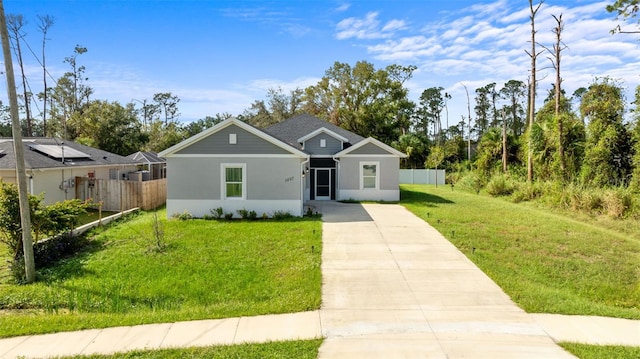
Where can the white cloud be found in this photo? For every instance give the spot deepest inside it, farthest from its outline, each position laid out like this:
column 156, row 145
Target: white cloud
column 367, row 28
column 394, row 25
column 343, row 7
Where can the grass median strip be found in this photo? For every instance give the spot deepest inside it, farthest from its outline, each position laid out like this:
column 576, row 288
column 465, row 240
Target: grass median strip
column 203, row 269
column 585, row 351
column 546, row 261
column 302, row 349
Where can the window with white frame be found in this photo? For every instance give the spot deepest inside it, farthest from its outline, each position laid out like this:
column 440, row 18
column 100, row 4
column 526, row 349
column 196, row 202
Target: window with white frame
column 234, row 180
column 369, row 175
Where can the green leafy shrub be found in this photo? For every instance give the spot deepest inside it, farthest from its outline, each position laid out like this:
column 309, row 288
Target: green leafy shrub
column 470, row 182
column 500, row 185
column 184, row 216
column 217, row 213
column 51, row 220
column 246, row 214
column 280, row 215
column 228, row 216
column 617, row 202
column 49, row 252
column 524, row 191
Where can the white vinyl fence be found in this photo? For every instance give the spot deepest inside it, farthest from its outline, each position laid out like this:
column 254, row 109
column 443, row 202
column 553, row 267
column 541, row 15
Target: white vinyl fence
column 411, row 176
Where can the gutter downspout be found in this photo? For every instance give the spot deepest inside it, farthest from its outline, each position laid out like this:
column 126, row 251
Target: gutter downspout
column 303, row 182
column 337, row 177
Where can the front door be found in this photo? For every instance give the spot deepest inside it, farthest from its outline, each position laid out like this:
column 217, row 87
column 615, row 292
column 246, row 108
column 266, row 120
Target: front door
column 323, row 184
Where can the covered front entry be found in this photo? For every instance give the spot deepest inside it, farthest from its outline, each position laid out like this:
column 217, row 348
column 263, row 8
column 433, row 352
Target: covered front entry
column 323, row 179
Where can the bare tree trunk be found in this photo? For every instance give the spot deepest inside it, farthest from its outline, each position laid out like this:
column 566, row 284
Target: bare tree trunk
column 469, row 121
column 532, row 86
column 556, row 55
column 45, row 23
column 15, row 23
column 504, row 143
column 25, row 215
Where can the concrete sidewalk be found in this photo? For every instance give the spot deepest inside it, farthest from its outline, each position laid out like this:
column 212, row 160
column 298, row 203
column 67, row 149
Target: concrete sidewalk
column 392, row 287
column 198, row 333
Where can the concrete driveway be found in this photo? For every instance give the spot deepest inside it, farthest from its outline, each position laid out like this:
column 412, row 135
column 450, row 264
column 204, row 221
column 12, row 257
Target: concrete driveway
column 394, row 287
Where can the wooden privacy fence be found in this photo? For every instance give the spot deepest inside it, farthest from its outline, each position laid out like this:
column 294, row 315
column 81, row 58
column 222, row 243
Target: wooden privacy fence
column 120, row 195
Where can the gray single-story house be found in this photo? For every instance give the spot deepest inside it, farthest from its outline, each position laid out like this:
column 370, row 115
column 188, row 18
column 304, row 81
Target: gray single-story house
column 236, row 166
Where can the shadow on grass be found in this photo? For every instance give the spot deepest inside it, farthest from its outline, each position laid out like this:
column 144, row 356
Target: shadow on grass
column 71, row 264
column 407, row 196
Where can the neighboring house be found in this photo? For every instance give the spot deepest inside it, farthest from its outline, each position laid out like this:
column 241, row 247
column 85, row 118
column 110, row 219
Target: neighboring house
column 236, row 166
column 152, row 167
column 53, row 165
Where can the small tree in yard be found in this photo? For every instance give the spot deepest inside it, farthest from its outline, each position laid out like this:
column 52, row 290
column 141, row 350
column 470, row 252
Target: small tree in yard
column 51, row 220
column 435, row 159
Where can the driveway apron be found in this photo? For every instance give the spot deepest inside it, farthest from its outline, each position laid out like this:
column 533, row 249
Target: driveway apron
column 394, row 287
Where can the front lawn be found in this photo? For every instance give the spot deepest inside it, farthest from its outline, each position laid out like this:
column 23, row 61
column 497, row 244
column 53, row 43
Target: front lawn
column 299, row 349
column 585, row 351
column 546, row 261
column 206, row 269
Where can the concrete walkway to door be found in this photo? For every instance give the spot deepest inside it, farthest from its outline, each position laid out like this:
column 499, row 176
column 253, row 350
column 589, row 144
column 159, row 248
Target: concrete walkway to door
column 394, row 287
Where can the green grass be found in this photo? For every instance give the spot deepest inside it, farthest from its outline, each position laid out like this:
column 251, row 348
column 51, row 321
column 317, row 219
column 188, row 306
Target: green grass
column 546, row 261
column 584, row 351
column 207, row 269
column 93, row 215
column 301, row 349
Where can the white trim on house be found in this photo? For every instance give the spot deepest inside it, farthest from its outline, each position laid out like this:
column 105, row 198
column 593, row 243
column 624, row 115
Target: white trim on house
column 171, row 151
column 372, row 141
column 368, row 195
column 218, row 155
column 200, row 207
column 321, row 130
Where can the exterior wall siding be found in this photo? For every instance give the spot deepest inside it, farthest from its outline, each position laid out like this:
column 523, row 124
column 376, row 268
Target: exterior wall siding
column 369, row 149
column 273, row 179
column 349, row 179
column 271, row 184
column 312, row 145
column 246, row 143
column 193, row 178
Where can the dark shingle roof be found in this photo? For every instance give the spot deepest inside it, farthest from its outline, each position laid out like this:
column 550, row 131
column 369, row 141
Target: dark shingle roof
column 35, row 159
column 146, row 157
column 298, row 126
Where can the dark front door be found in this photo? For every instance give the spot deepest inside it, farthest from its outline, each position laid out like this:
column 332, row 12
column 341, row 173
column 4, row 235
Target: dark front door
column 323, row 184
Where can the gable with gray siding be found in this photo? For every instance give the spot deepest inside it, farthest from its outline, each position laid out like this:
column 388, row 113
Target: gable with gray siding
column 246, row 143
column 313, row 146
column 369, row 149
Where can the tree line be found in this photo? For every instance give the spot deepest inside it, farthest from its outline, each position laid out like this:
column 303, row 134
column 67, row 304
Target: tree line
column 582, row 138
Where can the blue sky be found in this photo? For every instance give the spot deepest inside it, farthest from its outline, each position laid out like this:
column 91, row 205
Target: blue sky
column 220, row 56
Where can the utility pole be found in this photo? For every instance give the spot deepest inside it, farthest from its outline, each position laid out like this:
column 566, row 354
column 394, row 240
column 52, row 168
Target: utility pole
column 25, row 215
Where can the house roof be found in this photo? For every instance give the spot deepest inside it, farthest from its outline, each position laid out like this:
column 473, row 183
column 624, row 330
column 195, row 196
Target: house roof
column 297, row 127
column 46, row 152
column 322, row 130
column 232, row 121
column 370, row 140
column 146, row 157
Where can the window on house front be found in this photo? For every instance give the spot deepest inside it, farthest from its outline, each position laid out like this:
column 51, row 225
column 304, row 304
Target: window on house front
column 323, row 143
column 233, row 139
column 234, row 180
column 369, row 175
